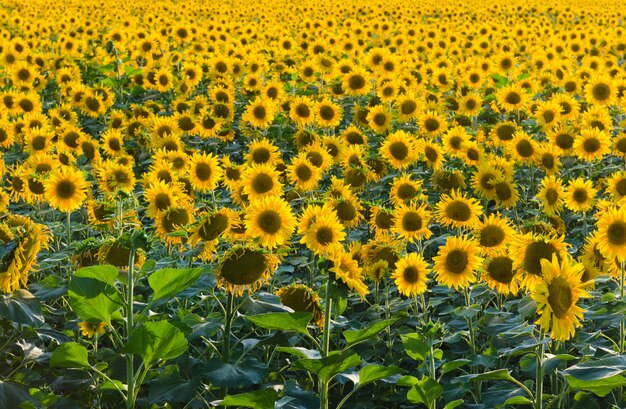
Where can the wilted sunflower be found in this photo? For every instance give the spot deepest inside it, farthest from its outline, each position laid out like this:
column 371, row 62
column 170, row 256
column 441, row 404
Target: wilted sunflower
column 458, row 211
column 171, row 220
column 346, row 269
column 245, row 268
column 457, row 262
column 66, row 189
column 551, row 194
column 302, row 298
column 411, row 222
column 580, row 195
column 21, row 239
column 447, row 180
column 271, row 220
column 556, row 294
column 210, row 228
column 116, row 252
column 411, row 275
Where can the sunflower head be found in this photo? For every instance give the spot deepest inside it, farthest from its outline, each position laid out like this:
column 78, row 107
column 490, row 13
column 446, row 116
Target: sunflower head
column 300, row 297
column 245, row 268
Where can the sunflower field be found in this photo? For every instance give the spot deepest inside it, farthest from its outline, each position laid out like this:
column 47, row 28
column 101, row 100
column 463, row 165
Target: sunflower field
column 327, row 204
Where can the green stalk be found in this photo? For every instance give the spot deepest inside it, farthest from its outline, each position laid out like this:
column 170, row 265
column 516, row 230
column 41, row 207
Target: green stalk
column 130, row 369
column 227, row 329
column 621, row 297
column 325, row 347
column 539, row 381
column 68, row 227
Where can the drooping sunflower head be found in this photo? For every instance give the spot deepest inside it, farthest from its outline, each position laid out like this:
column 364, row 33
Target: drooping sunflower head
column 173, row 219
column 245, row 268
column 116, row 252
column 347, row 270
column 302, row 298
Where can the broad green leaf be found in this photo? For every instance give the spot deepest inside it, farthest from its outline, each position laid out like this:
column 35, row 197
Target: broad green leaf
column 416, row 346
column 240, row 375
column 497, row 375
column 170, row 386
column 518, row 400
column 454, row 404
column 329, row 367
column 373, row 373
column 93, row 299
column 168, row 282
column 105, row 273
column 284, row 321
column 156, row 340
column 599, row 369
column 300, row 352
column 452, row 365
column 21, row 307
column 357, row 336
column 13, row 394
column 600, row 387
column 261, row 399
column 112, row 385
column 339, row 293
column 70, row 355
column 426, row 391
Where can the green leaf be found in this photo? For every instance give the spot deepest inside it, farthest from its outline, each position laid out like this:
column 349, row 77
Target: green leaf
column 21, row 307
column 452, row 365
column 454, row 404
column 426, row 391
column 600, row 387
column 300, row 352
column 357, row 336
column 518, row 400
column 417, row 346
column 339, row 293
column 240, row 375
column 497, row 375
column 105, row 273
column 373, row 373
column 70, row 355
column 13, row 394
column 169, row 386
column 284, row 321
column 599, row 369
column 112, row 385
column 91, row 298
column 261, row 399
column 156, row 340
column 168, row 282
column 329, row 367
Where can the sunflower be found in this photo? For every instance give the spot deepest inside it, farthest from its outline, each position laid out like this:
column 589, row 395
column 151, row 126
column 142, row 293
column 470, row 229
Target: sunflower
column 210, row 228
column 457, row 262
column 592, row 144
column 319, row 157
column 260, row 113
column 470, row 105
column 38, row 140
column 245, row 268
column 548, row 114
column 399, row 149
column 529, row 249
column 457, row 211
column 262, row 151
column 556, row 295
column 455, row 140
column 26, row 238
column 354, row 136
column 523, row 148
column 357, row 82
column 89, row 330
column 346, row 269
column 324, row 233
column 407, row 107
column 512, row 98
column 302, row 111
column 432, row 153
column 548, row 157
column 328, row 114
column 551, row 195
column 204, row 172
column 499, row 275
column 379, row 119
column 411, row 222
column 271, row 220
column 302, row 298
column 447, row 180
column 113, row 177
column 506, row 194
column 259, row 181
column 349, row 211
column 381, row 220
column 66, row 189
column 432, row 122
column 600, row 91
column 160, row 195
column 503, row 133
column 611, row 233
column 173, row 219
column 302, row 173
column 411, row 274
column 493, row 233
column 580, row 195
column 617, row 185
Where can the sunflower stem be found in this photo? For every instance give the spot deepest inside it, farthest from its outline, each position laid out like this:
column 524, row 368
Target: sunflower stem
column 539, row 381
column 621, row 297
column 226, row 338
column 130, row 369
column 325, row 346
column 68, row 227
